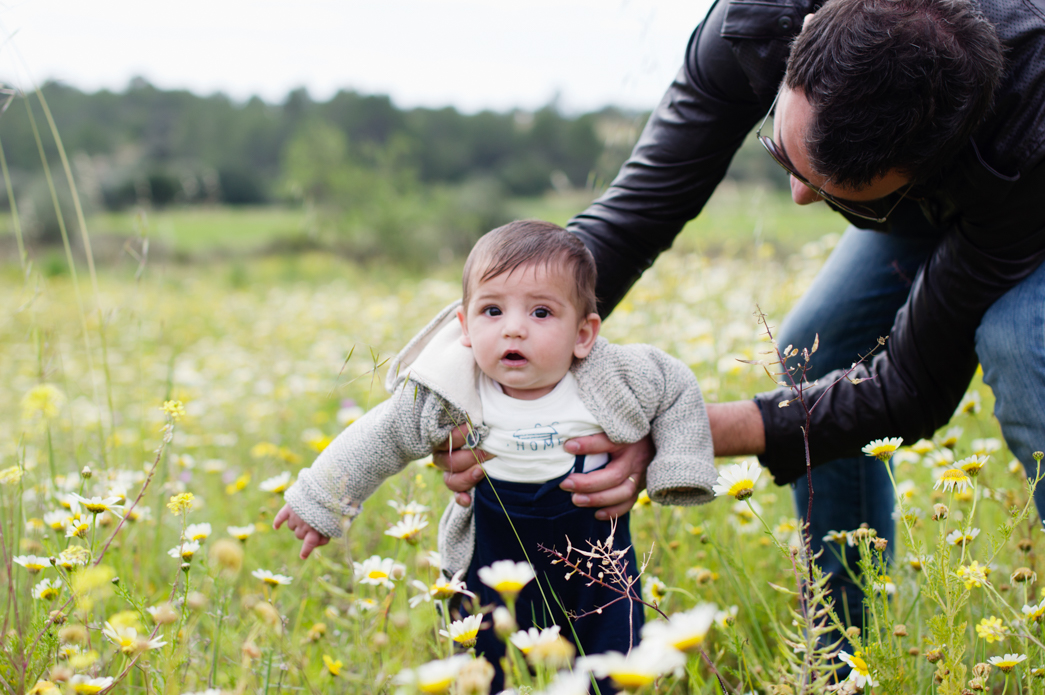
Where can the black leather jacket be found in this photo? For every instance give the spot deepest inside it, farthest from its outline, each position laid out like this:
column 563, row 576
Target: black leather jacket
column 987, row 210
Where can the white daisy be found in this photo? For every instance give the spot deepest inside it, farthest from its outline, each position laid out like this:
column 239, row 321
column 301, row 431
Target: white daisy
column 408, row 528
column 684, row 631
column 277, row 484
column 270, row 578
column 464, row 631
column 197, row 532
column 1008, row 662
column 506, row 577
column 738, row 480
column 860, row 674
column 32, row 563
column 376, row 571
column 882, row 449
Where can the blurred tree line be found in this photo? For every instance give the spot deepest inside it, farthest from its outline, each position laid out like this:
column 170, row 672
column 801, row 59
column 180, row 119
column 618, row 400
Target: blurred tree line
column 383, row 180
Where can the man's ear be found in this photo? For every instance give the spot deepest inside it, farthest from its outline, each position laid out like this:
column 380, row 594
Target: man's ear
column 465, row 340
column 586, row 335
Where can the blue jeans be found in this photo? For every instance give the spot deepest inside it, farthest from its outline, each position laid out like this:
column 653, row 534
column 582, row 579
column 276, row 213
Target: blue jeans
column 853, row 301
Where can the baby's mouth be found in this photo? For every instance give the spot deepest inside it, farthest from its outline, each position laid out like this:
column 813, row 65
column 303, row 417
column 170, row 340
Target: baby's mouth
column 513, row 358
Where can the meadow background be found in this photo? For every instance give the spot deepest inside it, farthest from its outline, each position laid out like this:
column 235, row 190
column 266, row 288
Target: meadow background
column 258, row 264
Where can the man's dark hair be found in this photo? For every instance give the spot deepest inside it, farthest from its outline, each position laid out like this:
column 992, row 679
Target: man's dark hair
column 534, row 243
column 894, row 84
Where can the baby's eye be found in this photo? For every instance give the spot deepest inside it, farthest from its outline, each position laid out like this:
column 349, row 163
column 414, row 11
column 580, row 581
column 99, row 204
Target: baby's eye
column 542, row 313
column 491, row 311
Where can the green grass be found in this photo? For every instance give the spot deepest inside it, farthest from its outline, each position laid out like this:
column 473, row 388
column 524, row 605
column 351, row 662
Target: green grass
column 736, row 221
column 199, row 230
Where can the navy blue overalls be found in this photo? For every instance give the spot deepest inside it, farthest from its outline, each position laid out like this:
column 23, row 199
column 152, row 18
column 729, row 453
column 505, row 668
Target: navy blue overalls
column 543, row 514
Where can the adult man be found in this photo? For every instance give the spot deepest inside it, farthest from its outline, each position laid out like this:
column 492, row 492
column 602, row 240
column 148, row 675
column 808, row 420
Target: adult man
column 900, row 114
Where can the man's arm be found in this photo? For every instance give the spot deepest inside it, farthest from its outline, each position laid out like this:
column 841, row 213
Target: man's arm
column 930, row 357
column 682, row 155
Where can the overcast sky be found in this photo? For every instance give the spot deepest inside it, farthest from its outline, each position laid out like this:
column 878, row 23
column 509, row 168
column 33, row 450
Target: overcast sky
column 472, row 54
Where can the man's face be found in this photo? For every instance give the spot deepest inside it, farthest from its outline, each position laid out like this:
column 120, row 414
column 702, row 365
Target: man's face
column 791, row 123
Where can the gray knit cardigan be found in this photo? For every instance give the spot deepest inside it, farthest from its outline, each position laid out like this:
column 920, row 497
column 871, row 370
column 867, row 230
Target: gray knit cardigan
column 632, row 390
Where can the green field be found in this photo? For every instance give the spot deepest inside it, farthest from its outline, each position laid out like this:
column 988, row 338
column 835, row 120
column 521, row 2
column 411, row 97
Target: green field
column 737, row 220
column 270, row 353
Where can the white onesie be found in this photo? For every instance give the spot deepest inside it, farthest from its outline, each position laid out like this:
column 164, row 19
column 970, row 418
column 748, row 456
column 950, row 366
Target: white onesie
column 526, row 437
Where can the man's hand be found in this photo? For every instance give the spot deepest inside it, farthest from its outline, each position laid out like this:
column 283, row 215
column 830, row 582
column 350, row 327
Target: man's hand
column 461, row 473
column 310, row 538
column 615, row 487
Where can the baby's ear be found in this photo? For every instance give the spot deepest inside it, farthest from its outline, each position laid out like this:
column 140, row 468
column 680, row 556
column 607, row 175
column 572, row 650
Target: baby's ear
column 465, row 340
column 587, row 332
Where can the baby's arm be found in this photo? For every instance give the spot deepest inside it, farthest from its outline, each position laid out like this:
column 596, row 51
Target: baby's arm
column 350, row 469
column 683, row 471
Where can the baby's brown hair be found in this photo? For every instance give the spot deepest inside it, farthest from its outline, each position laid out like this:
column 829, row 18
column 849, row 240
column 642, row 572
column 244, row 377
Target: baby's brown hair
column 532, row 242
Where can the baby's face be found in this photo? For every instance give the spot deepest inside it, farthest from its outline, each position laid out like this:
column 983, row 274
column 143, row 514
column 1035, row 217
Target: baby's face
column 525, row 329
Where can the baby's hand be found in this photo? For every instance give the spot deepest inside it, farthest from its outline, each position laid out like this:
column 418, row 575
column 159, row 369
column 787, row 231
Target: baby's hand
column 310, row 538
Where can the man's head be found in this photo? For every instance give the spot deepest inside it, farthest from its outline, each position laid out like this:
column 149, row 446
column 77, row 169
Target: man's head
column 529, row 306
column 894, row 85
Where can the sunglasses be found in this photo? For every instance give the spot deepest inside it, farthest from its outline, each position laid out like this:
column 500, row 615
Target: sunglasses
column 863, row 211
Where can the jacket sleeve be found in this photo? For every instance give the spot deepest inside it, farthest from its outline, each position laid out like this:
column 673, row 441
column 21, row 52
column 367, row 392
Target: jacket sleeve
column 717, row 97
column 930, row 355
column 403, row 428
column 682, row 471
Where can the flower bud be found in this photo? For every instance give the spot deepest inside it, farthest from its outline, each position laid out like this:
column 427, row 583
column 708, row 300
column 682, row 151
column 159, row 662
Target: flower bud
column 1026, row 545
column 475, row 677
column 504, row 624
column 981, row 670
column 852, row 631
column 900, row 630
column 977, row 684
column 163, row 614
column 914, row 651
column 1023, row 574
column 73, row 634
column 940, row 512
column 250, row 650
column 880, row 544
column 228, row 555
column 379, row 640
column 400, row 619
column 60, row 673
column 86, row 473
column 933, row 656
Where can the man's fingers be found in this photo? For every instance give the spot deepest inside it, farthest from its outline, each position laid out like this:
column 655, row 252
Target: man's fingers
column 612, row 475
column 464, row 481
column 592, row 444
column 458, row 436
column 616, row 510
column 463, row 499
column 612, row 498
column 459, row 460
column 281, row 516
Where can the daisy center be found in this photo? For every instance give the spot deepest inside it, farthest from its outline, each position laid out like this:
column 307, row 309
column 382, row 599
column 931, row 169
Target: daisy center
column 740, row 486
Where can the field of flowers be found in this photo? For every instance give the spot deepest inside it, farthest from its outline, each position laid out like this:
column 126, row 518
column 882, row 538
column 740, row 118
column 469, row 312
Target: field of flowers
column 150, row 423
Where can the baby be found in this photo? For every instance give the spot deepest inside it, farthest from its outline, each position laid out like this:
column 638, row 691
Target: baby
column 519, row 360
